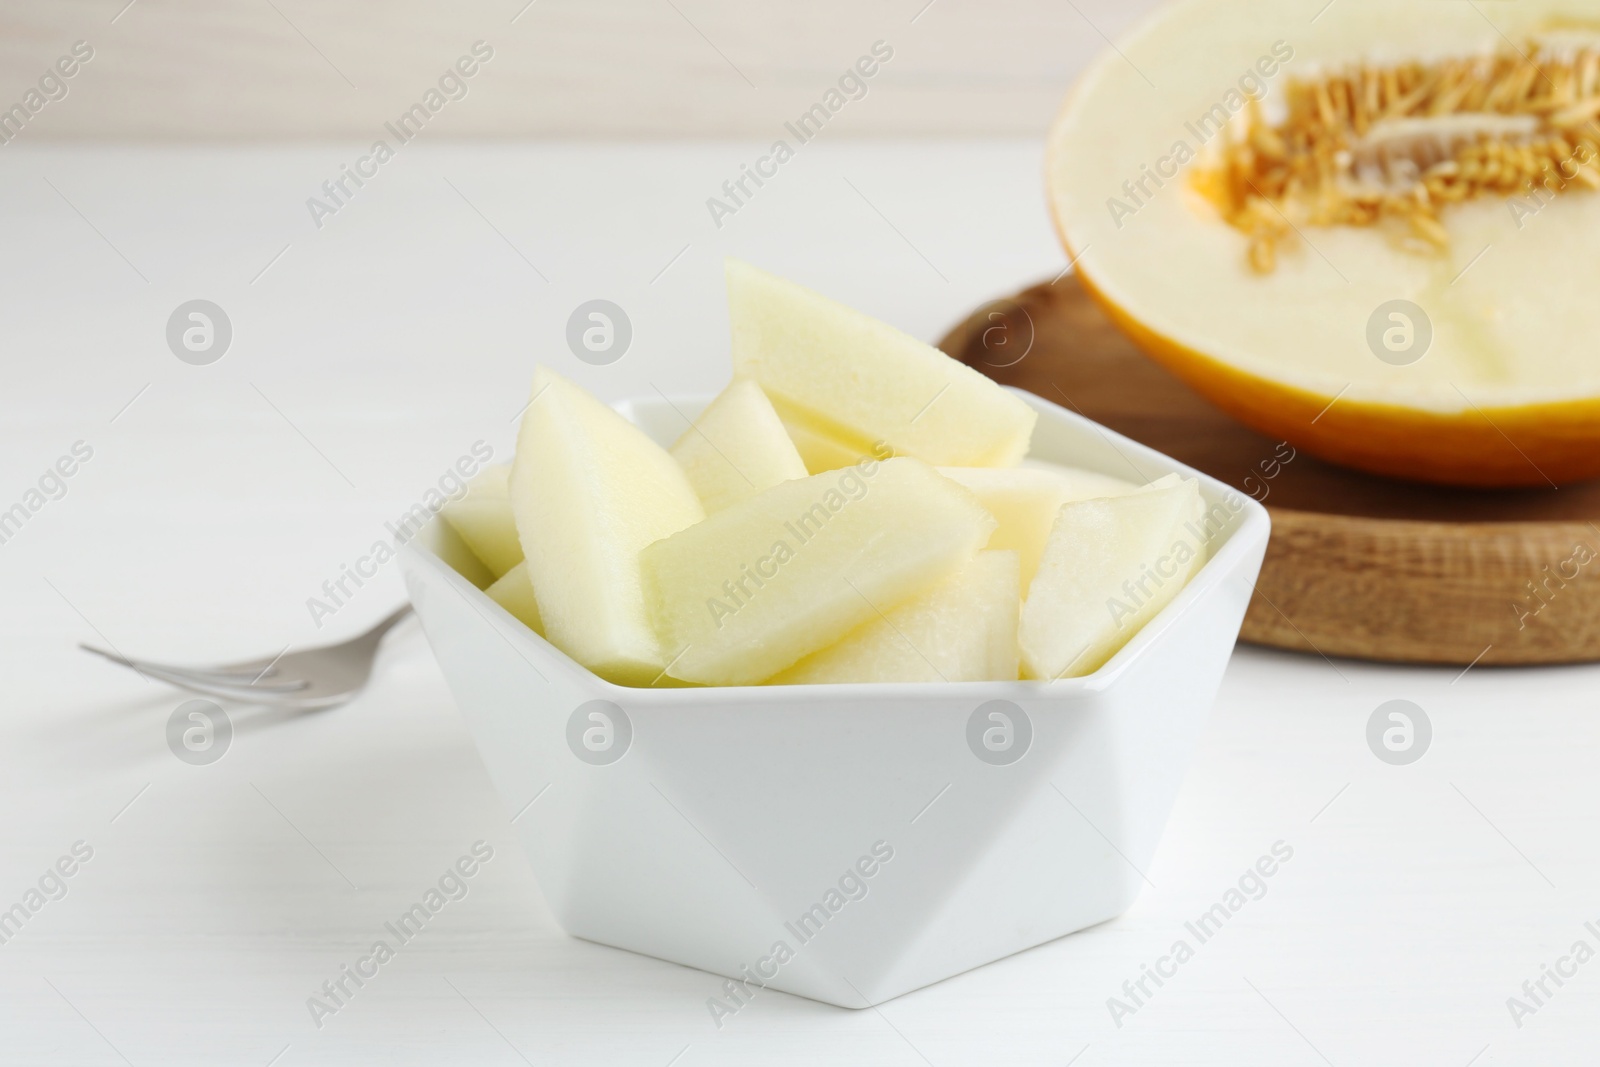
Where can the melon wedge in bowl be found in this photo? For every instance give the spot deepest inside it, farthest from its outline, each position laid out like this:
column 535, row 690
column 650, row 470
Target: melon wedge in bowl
column 1365, row 229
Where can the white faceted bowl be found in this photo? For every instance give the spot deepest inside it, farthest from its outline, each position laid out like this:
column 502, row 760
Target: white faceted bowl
column 734, row 811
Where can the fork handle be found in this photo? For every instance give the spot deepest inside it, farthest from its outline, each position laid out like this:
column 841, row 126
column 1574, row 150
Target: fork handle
column 388, row 622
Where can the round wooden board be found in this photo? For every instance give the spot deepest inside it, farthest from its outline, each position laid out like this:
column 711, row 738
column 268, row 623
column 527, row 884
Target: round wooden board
column 1358, row 565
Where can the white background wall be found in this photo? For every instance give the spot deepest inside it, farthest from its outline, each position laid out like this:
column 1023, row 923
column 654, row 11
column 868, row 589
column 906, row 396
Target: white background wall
column 254, row 69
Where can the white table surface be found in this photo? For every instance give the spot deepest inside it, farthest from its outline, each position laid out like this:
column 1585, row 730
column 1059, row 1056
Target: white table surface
column 371, row 355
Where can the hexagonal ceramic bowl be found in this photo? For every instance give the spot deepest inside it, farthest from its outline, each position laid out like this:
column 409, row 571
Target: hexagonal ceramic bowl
column 847, row 843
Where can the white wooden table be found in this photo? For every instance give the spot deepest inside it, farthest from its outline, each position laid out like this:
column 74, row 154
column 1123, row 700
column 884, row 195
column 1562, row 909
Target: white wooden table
column 367, row 356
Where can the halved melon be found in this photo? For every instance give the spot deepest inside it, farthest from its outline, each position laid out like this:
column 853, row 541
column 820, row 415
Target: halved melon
column 1281, row 200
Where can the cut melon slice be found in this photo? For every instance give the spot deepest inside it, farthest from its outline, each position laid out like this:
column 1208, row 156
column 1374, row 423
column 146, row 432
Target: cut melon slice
column 865, row 383
column 1068, row 471
column 1110, row 565
column 962, row 630
column 589, row 490
column 736, row 448
column 755, row 587
column 822, row 453
column 483, row 519
column 1026, row 500
column 513, row 591
column 1349, row 265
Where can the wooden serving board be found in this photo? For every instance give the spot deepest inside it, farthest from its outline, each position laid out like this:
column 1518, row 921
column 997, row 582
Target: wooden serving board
column 1358, row 565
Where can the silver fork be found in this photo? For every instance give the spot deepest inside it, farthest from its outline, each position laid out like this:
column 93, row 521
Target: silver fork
column 305, row 680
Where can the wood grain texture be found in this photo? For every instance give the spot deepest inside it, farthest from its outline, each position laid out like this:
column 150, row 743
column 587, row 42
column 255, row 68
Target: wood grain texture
column 1358, row 565
column 246, row 70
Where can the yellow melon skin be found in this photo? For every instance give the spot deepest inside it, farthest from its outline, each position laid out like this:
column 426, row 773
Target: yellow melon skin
column 1489, row 448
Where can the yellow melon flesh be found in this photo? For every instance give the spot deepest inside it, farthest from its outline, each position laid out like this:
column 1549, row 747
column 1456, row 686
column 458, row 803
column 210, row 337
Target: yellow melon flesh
column 1308, row 350
column 822, row 453
column 513, row 591
column 483, row 519
column 1025, row 501
column 589, row 491
column 755, row 587
column 962, row 630
column 864, row 382
column 736, row 448
column 1109, row 566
